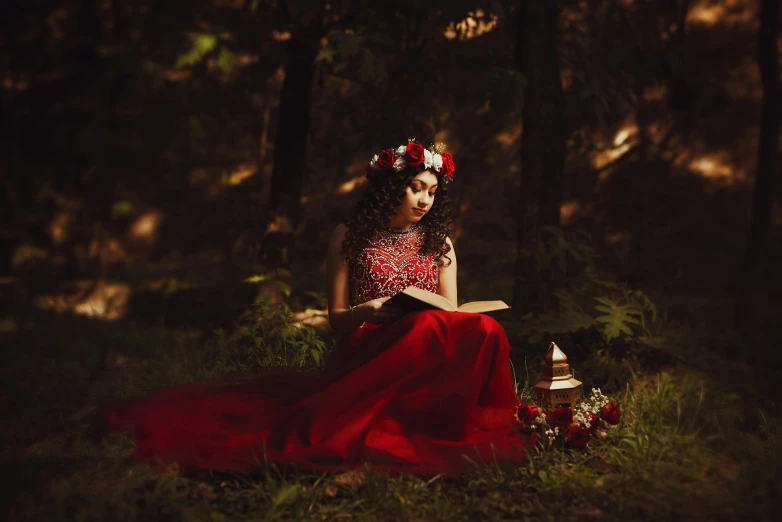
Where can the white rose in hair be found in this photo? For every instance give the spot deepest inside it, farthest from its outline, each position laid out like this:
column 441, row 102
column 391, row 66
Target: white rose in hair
column 400, row 152
column 427, row 159
column 437, row 162
column 400, row 164
column 373, row 163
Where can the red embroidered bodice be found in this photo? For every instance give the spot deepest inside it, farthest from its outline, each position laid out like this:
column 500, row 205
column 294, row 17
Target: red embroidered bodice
column 391, row 263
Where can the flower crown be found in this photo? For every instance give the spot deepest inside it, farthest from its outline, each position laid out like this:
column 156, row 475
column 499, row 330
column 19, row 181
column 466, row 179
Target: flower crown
column 414, row 155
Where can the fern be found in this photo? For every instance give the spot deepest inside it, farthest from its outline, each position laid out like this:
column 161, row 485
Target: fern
column 569, row 318
column 616, row 318
column 585, row 301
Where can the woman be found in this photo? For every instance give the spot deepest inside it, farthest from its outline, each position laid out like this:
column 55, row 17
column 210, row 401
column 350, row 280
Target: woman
column 428, row 392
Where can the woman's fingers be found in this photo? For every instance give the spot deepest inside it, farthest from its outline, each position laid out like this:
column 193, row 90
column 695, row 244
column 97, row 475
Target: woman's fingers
column 388, row 314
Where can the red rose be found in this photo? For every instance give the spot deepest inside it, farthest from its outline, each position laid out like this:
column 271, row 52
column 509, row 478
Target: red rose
column 561, row 418
column 415, row 154
column 526, row 412
column 578, row 437
column 610, row 413
column 385, row 160
column 448, row 166
column 594, row 422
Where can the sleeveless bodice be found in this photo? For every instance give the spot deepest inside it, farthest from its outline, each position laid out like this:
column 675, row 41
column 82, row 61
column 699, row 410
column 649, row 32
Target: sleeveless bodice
column 391, row 263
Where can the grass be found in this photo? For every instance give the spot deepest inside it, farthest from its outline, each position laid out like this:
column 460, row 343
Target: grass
column 690, row 447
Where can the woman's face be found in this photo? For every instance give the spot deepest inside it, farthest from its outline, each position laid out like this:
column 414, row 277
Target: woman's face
column 418, row 200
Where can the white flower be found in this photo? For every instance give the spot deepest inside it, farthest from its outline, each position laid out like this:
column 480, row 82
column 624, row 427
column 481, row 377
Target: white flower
column 399, row 152
column 373, row 163
column 400, row 164
column 428, row 159
column 437, row 162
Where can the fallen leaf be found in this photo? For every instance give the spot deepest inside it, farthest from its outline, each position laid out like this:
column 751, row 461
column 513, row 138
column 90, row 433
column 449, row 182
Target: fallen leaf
column 353, row 479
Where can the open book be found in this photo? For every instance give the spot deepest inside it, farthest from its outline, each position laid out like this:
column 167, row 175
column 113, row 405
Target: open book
column 412, row 299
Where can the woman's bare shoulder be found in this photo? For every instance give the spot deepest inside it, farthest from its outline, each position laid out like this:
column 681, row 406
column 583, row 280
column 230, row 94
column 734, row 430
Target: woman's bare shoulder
column 338, row 236
column 339, row 232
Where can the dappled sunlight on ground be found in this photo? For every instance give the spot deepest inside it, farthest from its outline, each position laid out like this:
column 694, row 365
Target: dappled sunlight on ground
column 241, row 173
column 316, row 318
column 709, row 13
column 474, row 24
column 622, row 142
column 104, row 300
column 351, row 185
column 145, row 227
column 509, row 138
column 743, row 82
column 60, row 225
column 567, row 210
column 712, row 166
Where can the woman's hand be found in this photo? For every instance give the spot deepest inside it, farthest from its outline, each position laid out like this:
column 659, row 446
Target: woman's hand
column 374, row 312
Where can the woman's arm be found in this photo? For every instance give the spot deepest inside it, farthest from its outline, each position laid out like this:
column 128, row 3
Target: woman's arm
column 446, row 286
column 341, row 317
column 338, row 291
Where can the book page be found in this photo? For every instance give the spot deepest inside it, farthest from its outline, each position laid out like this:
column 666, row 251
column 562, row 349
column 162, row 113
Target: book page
column 478, row 307
column 435, row 300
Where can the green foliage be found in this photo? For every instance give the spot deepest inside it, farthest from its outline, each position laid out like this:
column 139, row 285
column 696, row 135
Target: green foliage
column 275, row 339
column 585, row 300
column 122, row 208
column 554, row 251
column 354, row 50
column 201, row 45
column 684, row 450
column 279, row 278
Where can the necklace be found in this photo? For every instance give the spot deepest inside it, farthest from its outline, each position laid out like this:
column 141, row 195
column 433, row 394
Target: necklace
column 395, row 232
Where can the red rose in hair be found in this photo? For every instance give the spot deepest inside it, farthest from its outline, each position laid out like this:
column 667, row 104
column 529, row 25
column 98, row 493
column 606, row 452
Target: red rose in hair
column 526, row 412
column 610, row 413
column 561, row 418
column 415, row 154
column 385, row 160
column 448, row 166
column 578, row 437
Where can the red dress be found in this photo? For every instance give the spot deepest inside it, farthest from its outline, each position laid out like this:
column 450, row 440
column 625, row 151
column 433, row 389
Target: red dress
column 429, row 393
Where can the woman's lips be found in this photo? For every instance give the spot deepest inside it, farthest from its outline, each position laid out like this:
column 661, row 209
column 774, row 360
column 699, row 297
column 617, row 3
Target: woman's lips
column 419, row 211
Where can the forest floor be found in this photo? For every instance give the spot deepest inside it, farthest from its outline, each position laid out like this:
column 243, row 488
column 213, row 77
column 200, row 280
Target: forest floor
column 699, row 438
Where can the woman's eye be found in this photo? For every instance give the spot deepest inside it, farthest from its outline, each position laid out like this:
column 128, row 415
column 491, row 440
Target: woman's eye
column 431, row 194
column 415, row 190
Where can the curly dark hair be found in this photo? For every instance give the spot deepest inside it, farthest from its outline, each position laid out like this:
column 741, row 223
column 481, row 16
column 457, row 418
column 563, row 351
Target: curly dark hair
column 378, row 204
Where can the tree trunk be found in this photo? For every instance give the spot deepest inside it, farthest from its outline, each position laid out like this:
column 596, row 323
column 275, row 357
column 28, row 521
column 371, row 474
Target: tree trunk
column 290, row 151
column 768, row 165
column 542, row 146
column 89, row 23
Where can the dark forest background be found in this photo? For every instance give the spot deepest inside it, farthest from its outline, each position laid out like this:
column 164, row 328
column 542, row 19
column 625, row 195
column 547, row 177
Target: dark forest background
column 157, row 153
column 171, row 171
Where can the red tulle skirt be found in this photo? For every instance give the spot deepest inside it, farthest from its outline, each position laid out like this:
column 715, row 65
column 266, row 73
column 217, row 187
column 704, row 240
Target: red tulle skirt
column 430, row 393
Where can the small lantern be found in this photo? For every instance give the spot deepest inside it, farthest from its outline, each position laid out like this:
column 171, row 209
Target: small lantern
column 558, row 387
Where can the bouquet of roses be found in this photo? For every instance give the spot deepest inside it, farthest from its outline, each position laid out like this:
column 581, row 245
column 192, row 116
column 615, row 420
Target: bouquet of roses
column 572, row 427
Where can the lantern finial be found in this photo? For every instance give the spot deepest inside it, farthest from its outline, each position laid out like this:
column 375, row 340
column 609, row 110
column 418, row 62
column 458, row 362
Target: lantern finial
column 555, row 356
